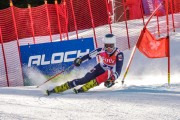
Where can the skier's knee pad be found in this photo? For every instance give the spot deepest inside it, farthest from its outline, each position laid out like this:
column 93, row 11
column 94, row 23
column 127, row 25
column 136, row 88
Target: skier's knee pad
column 103, row 77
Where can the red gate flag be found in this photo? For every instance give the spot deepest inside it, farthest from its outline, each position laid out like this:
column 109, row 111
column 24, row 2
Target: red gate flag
column 152, row 47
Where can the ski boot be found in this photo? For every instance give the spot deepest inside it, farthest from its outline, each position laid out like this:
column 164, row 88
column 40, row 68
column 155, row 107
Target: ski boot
column 86, row 87
column 62, row 88
column 58, row 89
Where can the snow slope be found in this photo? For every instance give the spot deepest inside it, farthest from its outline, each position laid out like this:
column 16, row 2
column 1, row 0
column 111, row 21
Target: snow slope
column 130, row 103
column 145, row 95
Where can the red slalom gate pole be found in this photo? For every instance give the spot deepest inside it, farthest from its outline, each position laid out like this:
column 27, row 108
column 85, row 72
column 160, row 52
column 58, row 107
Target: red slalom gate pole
column 134, row 49
column 167, row 25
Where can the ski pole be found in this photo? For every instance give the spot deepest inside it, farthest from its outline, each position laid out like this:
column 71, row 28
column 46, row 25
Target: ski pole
column 129, row 63
column 56, row 75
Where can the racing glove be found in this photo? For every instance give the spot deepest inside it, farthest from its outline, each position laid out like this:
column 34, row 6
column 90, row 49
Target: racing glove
column 110, row 82
column 77, row 62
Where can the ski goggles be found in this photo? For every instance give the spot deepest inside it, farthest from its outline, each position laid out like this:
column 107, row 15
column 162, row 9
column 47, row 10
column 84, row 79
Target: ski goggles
column 109, row 45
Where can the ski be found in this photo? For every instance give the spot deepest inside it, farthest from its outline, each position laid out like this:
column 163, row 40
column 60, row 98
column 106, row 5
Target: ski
column 75, row 91
column 48, row 92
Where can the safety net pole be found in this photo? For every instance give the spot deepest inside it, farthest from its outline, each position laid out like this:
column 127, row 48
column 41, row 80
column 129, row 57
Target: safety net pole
column 4, row 57
column 48, row 19
column 66, row 18
column 31, row 22
column 172, row 13
column 16, row 32
column 59, row 24
column 125, row 18
column 142, row 12
column 109, row 20
column 92, row 21
column 74, row 18
column 157, row 19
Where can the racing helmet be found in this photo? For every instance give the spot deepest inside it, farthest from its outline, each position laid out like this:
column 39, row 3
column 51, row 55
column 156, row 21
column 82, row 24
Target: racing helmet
column 109, row 40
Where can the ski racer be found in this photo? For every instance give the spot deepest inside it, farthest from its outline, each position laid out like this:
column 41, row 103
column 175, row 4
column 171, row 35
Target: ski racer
column 107, row 70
